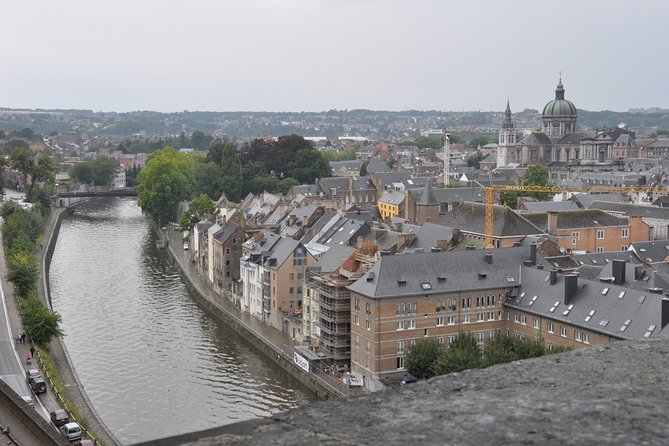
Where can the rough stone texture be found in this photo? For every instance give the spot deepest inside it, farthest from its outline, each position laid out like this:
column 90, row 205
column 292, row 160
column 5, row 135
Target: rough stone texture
column 614, row 394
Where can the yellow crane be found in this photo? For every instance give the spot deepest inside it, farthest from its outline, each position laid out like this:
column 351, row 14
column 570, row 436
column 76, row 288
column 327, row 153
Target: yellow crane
column 490, row 192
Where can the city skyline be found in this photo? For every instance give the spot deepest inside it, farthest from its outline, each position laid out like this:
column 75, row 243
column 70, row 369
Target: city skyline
column 301, row 55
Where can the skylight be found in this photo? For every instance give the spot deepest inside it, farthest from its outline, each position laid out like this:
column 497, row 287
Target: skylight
column 589, row 316
column 642, row 298
column 604, row 291
column 626, row 324
column 649, row 332
column 603, row 323
column 426, row 286
column 621, row 295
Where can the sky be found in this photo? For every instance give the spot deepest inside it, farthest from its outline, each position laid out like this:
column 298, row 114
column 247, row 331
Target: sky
column 318, row 55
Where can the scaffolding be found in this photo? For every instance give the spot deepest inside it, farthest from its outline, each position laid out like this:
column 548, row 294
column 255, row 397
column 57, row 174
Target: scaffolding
column 334, row 321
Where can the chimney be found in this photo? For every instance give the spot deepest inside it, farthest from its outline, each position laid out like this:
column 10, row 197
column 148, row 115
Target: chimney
column 533, row 253
column 553, row 276
column 488, row 258
column 570, row 287
column 665, row 312
column 619, row 271
column 552, row 222
column 350, row 190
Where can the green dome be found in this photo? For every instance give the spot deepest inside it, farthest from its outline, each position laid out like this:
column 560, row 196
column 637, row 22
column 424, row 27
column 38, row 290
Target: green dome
column 559, row 107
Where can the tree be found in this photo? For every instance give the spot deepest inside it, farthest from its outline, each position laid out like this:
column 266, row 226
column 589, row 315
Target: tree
column 23, row 272
column 474, row 159
column 421, row 358
column 43, row 172
column 285, row 185
column 462, row 354
column 307, row 165
column 199, row 140
column 41, row 324
column 363, row 169
column 481, row 141
column 197, row 209
column 215, row 153
column 163, row 183
column 21, row 159
column 535, row 175
column 207, row 179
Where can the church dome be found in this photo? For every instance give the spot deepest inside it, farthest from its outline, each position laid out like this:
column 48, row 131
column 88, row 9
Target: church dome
column 559, row 106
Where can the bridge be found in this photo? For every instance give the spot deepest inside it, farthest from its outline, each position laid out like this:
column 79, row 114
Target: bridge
column 125, row 192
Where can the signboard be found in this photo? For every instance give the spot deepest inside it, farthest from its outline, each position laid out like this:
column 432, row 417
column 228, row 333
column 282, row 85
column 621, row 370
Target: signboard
column 301, row 361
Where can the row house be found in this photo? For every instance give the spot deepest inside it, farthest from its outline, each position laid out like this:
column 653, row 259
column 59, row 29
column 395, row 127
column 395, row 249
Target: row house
column 656, row 218
column 591, row 230
column 224, row 240
column 255, row 251
column 344, row 191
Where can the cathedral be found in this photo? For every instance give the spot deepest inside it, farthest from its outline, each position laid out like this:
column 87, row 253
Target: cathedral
column 558, row 143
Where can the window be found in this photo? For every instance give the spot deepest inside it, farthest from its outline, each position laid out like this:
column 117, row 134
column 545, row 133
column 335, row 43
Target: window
column 480, row 301
column 491, row 315
column 400, row 309
column 465, row 319
column 441, row 305
column 537, row 323
column 466, row 302
column 480, row 317
column 368, row 308
column 491, row 301
column 600, row 234
column 411, row 308
column 357, row 303
column 369, row 360
column 491, row 335
column 582, row 337
column 400, row 325
column 291, row 290
column 357, row 319
column 517, row 318
column 440, row 321
column 451, row 339
column 599, row 250
column 400, row 346
column 412, row 323
column 451, row 320
column 357, row 340
column 563, row 331
column 440, row 340
column 292, row 276
column 480, row 337
column 573, row 242
column 368, row 324
column 624, row 233
column 623, row 248
column 451, row 303
column 523, row 319
column 575, row 235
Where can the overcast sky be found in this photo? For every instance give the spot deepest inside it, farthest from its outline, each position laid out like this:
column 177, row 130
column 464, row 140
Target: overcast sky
column 315, row 55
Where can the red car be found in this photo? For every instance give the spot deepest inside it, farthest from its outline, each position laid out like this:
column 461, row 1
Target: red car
column 60, row 417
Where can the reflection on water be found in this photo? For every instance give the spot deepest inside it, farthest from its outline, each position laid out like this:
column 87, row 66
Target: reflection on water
column 153, row 363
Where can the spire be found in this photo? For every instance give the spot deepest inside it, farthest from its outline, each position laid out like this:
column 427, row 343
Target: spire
column 508, row 122
column 559, row 91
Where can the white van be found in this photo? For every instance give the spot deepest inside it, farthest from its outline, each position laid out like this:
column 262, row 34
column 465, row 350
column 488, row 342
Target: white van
column 71, row 431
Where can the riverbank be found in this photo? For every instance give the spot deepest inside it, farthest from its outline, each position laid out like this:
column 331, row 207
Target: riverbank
column 72, row 388
column 277, row 345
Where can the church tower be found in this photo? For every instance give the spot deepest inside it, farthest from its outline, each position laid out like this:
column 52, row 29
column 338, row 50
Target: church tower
column 506, row 146
column 559, row 115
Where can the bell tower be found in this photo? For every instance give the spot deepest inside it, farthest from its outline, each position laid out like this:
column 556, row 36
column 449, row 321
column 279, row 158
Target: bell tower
column 506, row 146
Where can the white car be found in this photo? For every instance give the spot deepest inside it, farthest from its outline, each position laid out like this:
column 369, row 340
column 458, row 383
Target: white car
column 185, row 246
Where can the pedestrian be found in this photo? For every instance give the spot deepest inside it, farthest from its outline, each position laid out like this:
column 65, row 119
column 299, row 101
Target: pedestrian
column 23, row 338
column 32, row 351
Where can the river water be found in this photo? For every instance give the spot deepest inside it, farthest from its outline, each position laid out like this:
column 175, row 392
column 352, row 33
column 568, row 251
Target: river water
column 153, row 363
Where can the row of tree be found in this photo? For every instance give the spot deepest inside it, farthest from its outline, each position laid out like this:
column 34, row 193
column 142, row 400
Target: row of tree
column 428, row 357
column 21, row 231
column 170, row 176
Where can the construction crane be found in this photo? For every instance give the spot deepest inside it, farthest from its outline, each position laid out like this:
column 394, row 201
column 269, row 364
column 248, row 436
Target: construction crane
column 490, row 192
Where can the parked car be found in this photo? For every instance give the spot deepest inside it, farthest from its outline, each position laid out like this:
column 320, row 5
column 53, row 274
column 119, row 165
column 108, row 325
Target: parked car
column 83, row 443
column 29, row 401
column 407, row 380
column 71, row 431
column 186, row 246
column 60, row 417
column 35, row 381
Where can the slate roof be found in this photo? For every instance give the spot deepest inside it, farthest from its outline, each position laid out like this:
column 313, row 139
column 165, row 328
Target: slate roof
column 536, row 139
column 392, row 197
column 609, row 310
column 350, row 165
column 443, row 271
column 632, row 209
column 331, row 260
column 583, row 218
column 574, row 138
column 388, row 178
column 377, row 165
column 308, row 190
column 294, row 219
column 470, row 217
column 223, row 235
column 427, row 198
column 544, row 206
column 585, row 200
column 345, row 231
column 283, row 249
column 428, row 235
column 650, row 252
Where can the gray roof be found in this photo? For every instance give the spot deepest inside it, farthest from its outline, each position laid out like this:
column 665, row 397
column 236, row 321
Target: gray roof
column 427, row 198
column 574, row 138
column 610, row 310
column 350, row 165
column 443, row 271
column 428, row 235
column 392, row 197
column 377, row 165
column 536, row 139
column 583, row 218
column 585, row 200
column 470, row 217
column 650, row 252
column 632, row 209
column 544, row 206
column 343, row 232
column 603, row 258
column 388, row 178
column 228, row 230
column 308, row 190
column 294, row 219
column 331, row 260
column 283, row 249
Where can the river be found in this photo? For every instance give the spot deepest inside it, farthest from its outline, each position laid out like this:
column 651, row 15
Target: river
column 153, row 363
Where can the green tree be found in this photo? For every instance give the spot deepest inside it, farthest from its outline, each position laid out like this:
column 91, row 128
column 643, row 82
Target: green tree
column 462, row 354
column 207, row 179
column 23, row 272
column 43, row 172
column 307, row 165
column 422, row 357
column 535, row 175
column 481, row 140
column 164, row 182
column 475, row 159
column 40, row 323
column 21, row 159
column 199, row 140
column 197, row 209
column 285, row 185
